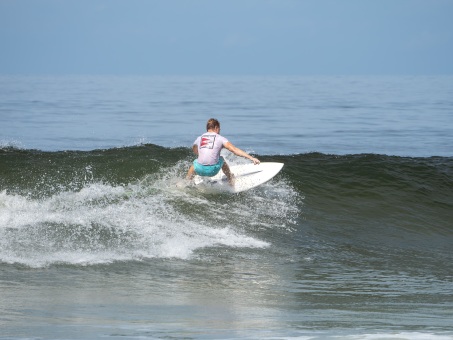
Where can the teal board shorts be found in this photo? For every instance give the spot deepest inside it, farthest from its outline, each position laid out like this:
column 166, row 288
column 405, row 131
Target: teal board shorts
column 208, row 170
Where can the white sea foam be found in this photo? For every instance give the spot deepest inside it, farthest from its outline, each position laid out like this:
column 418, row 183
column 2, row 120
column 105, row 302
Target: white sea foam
column 399, row 336
column 377, row 336
column 11, row 143
column 103, row 223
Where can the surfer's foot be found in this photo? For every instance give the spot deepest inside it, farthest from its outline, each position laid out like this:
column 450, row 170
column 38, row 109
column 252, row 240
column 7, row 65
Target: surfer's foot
column 231, row 180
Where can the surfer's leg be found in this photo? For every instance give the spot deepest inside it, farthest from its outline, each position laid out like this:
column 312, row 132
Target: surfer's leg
column 191, row 172
column 227, row 172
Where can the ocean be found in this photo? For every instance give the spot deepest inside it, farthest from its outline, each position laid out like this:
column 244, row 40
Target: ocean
column 352, row 240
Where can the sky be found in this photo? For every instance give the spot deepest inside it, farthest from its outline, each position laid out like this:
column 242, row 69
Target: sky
column 226, row 37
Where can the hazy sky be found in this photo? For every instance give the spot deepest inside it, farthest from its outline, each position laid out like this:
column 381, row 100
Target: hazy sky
column 202, row 37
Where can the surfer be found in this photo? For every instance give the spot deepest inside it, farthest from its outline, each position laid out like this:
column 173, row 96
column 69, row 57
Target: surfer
column 207, row 147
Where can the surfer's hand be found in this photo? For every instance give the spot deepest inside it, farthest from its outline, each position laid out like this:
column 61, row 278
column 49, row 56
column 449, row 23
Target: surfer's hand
column 255, row 160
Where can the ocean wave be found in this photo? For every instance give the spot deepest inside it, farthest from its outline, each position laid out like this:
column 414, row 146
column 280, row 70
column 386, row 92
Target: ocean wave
column 122, row 204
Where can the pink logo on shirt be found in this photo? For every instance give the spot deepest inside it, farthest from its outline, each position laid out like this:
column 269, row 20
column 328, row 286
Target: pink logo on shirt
column 204, row 141
column 207, row 142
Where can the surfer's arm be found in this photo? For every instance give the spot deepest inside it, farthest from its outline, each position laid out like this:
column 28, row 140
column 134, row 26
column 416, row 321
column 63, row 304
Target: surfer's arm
column 195, row 149
column 240, row 152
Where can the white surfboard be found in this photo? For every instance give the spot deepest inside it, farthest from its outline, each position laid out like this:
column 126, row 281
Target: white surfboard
column 246, row 177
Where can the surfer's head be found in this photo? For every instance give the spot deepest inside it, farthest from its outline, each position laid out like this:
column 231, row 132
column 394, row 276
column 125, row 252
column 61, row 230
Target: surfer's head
column 212, row 124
